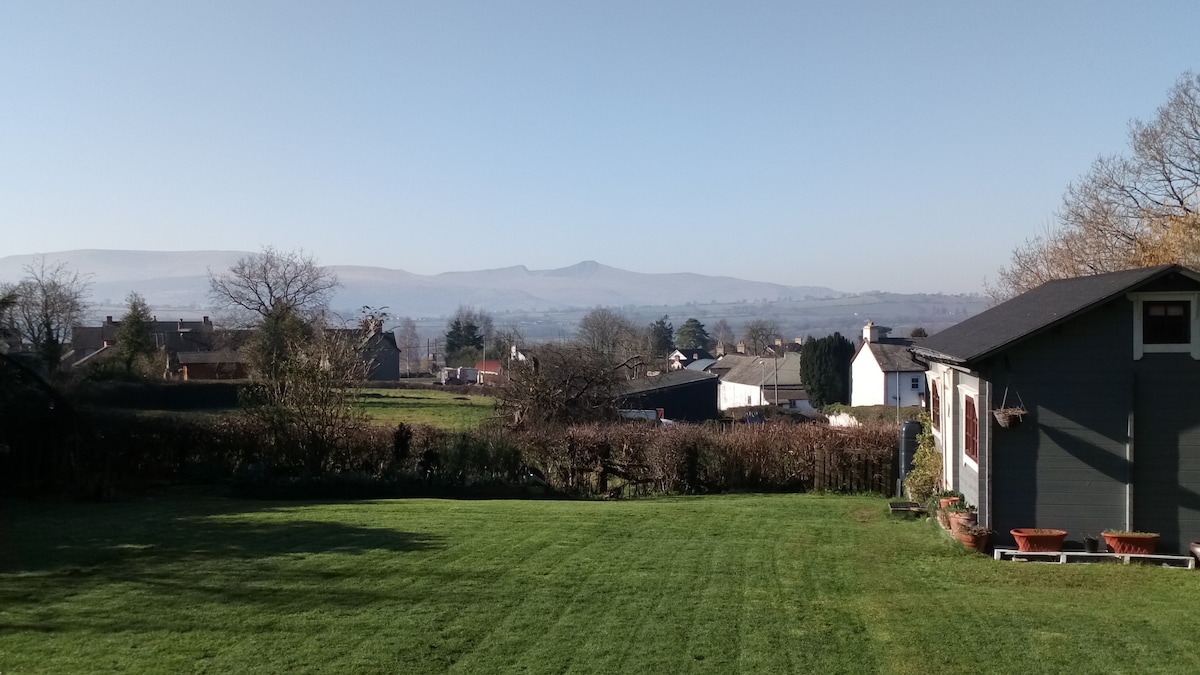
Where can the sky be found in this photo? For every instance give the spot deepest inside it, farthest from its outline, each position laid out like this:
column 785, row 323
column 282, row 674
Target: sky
column 900, row 146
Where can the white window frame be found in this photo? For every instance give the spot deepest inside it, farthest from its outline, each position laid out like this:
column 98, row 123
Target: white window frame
column 1192, row 347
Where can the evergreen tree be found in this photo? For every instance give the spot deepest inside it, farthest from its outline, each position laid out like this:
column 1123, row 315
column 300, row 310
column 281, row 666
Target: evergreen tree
column 662, row 336
column 691, row 335
column 825, row 369
column 464, row 344
column 135, row 337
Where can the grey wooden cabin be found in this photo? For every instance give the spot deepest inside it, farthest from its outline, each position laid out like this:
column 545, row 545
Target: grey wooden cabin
column 1108, row 369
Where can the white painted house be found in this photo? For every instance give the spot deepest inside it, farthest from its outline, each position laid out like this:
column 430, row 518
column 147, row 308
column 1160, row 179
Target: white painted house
column 883, row 371
column 762, row 381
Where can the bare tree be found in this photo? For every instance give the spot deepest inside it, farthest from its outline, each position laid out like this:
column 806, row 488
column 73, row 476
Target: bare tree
column 409, row 343
column 259, row 282
column 562, row 383
column 303, row 374
column 503, row 342
column 303, row 388
column 722, row 332
column 758, row 334
column 1127, row 211
column 605, row 331
column 46, row 303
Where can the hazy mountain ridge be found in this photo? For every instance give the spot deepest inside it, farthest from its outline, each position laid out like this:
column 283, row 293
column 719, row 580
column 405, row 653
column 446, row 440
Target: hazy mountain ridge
column 178, row 280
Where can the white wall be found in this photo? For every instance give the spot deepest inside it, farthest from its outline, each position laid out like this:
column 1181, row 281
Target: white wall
column 871, row 386
column 737, row 395
column 908, row 395
column 960, row 472
column 866, row 380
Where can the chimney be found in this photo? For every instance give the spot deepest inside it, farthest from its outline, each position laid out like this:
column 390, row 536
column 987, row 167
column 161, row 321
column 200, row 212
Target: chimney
column 741, row 347
column 870, row 332
column 108, row 319
column 206, row 321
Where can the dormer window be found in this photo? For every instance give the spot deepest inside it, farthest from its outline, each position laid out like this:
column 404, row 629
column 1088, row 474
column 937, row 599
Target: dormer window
column 1166, row 323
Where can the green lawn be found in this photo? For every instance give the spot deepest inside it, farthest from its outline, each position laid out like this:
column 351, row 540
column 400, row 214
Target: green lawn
column 423, row 406
column 749, row 583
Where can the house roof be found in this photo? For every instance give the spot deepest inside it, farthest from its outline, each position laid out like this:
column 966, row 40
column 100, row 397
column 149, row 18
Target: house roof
column 892, row 355
column 701, row 364
column 1035, row 311
column 489, row 367
column 730, row 361
column 692, row 354
column 767, row 371
column 668, row 380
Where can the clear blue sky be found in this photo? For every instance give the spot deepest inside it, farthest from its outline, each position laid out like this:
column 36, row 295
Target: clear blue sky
column 903, row 146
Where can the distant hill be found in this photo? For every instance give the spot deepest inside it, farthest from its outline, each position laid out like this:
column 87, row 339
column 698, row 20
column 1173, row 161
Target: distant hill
column 178, row 281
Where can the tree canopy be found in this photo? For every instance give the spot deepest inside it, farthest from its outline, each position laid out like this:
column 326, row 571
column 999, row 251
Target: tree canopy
column 825, row 369
column 464, row 343
column 692, row 335
column 135, row 336
column 759, row 334
column 561, row 383
column 1131, row 210
column 258, row 283
column 43, row 307
column 605, row 331
column 661, row 337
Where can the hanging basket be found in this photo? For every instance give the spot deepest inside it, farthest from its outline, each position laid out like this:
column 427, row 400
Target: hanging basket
column 1009, row 417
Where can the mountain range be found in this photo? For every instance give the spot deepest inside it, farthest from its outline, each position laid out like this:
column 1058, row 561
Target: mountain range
column 178, row 281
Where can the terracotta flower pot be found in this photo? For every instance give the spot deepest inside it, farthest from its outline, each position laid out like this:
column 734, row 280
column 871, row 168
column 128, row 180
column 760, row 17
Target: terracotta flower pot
column 961, row 519
column 943, row 515
column 1195, row 548
column 1037, row 539
column 1142, row 544
column 974, row 542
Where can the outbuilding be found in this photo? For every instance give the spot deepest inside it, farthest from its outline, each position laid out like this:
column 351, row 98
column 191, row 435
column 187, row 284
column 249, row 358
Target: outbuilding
column 1106, row 370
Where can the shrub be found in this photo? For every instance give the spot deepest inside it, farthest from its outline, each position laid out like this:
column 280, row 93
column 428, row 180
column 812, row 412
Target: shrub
column 585, row 460
column 926, row 476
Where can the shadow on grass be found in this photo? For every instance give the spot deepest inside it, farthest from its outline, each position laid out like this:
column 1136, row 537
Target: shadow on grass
column 208, row 550
column 40, row 537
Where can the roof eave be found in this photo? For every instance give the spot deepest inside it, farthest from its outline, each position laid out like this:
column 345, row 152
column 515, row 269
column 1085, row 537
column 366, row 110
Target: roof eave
column 967, row 361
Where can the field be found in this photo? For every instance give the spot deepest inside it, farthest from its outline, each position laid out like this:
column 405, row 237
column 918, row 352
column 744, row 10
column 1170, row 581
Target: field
column 749, row 583
column 424, row 406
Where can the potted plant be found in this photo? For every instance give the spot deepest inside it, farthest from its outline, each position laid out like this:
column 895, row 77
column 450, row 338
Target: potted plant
column 1038, row 539
column 961, row 513
column 947, row 497
column 1125, row 541
column 943, row 499
column 974, row 537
